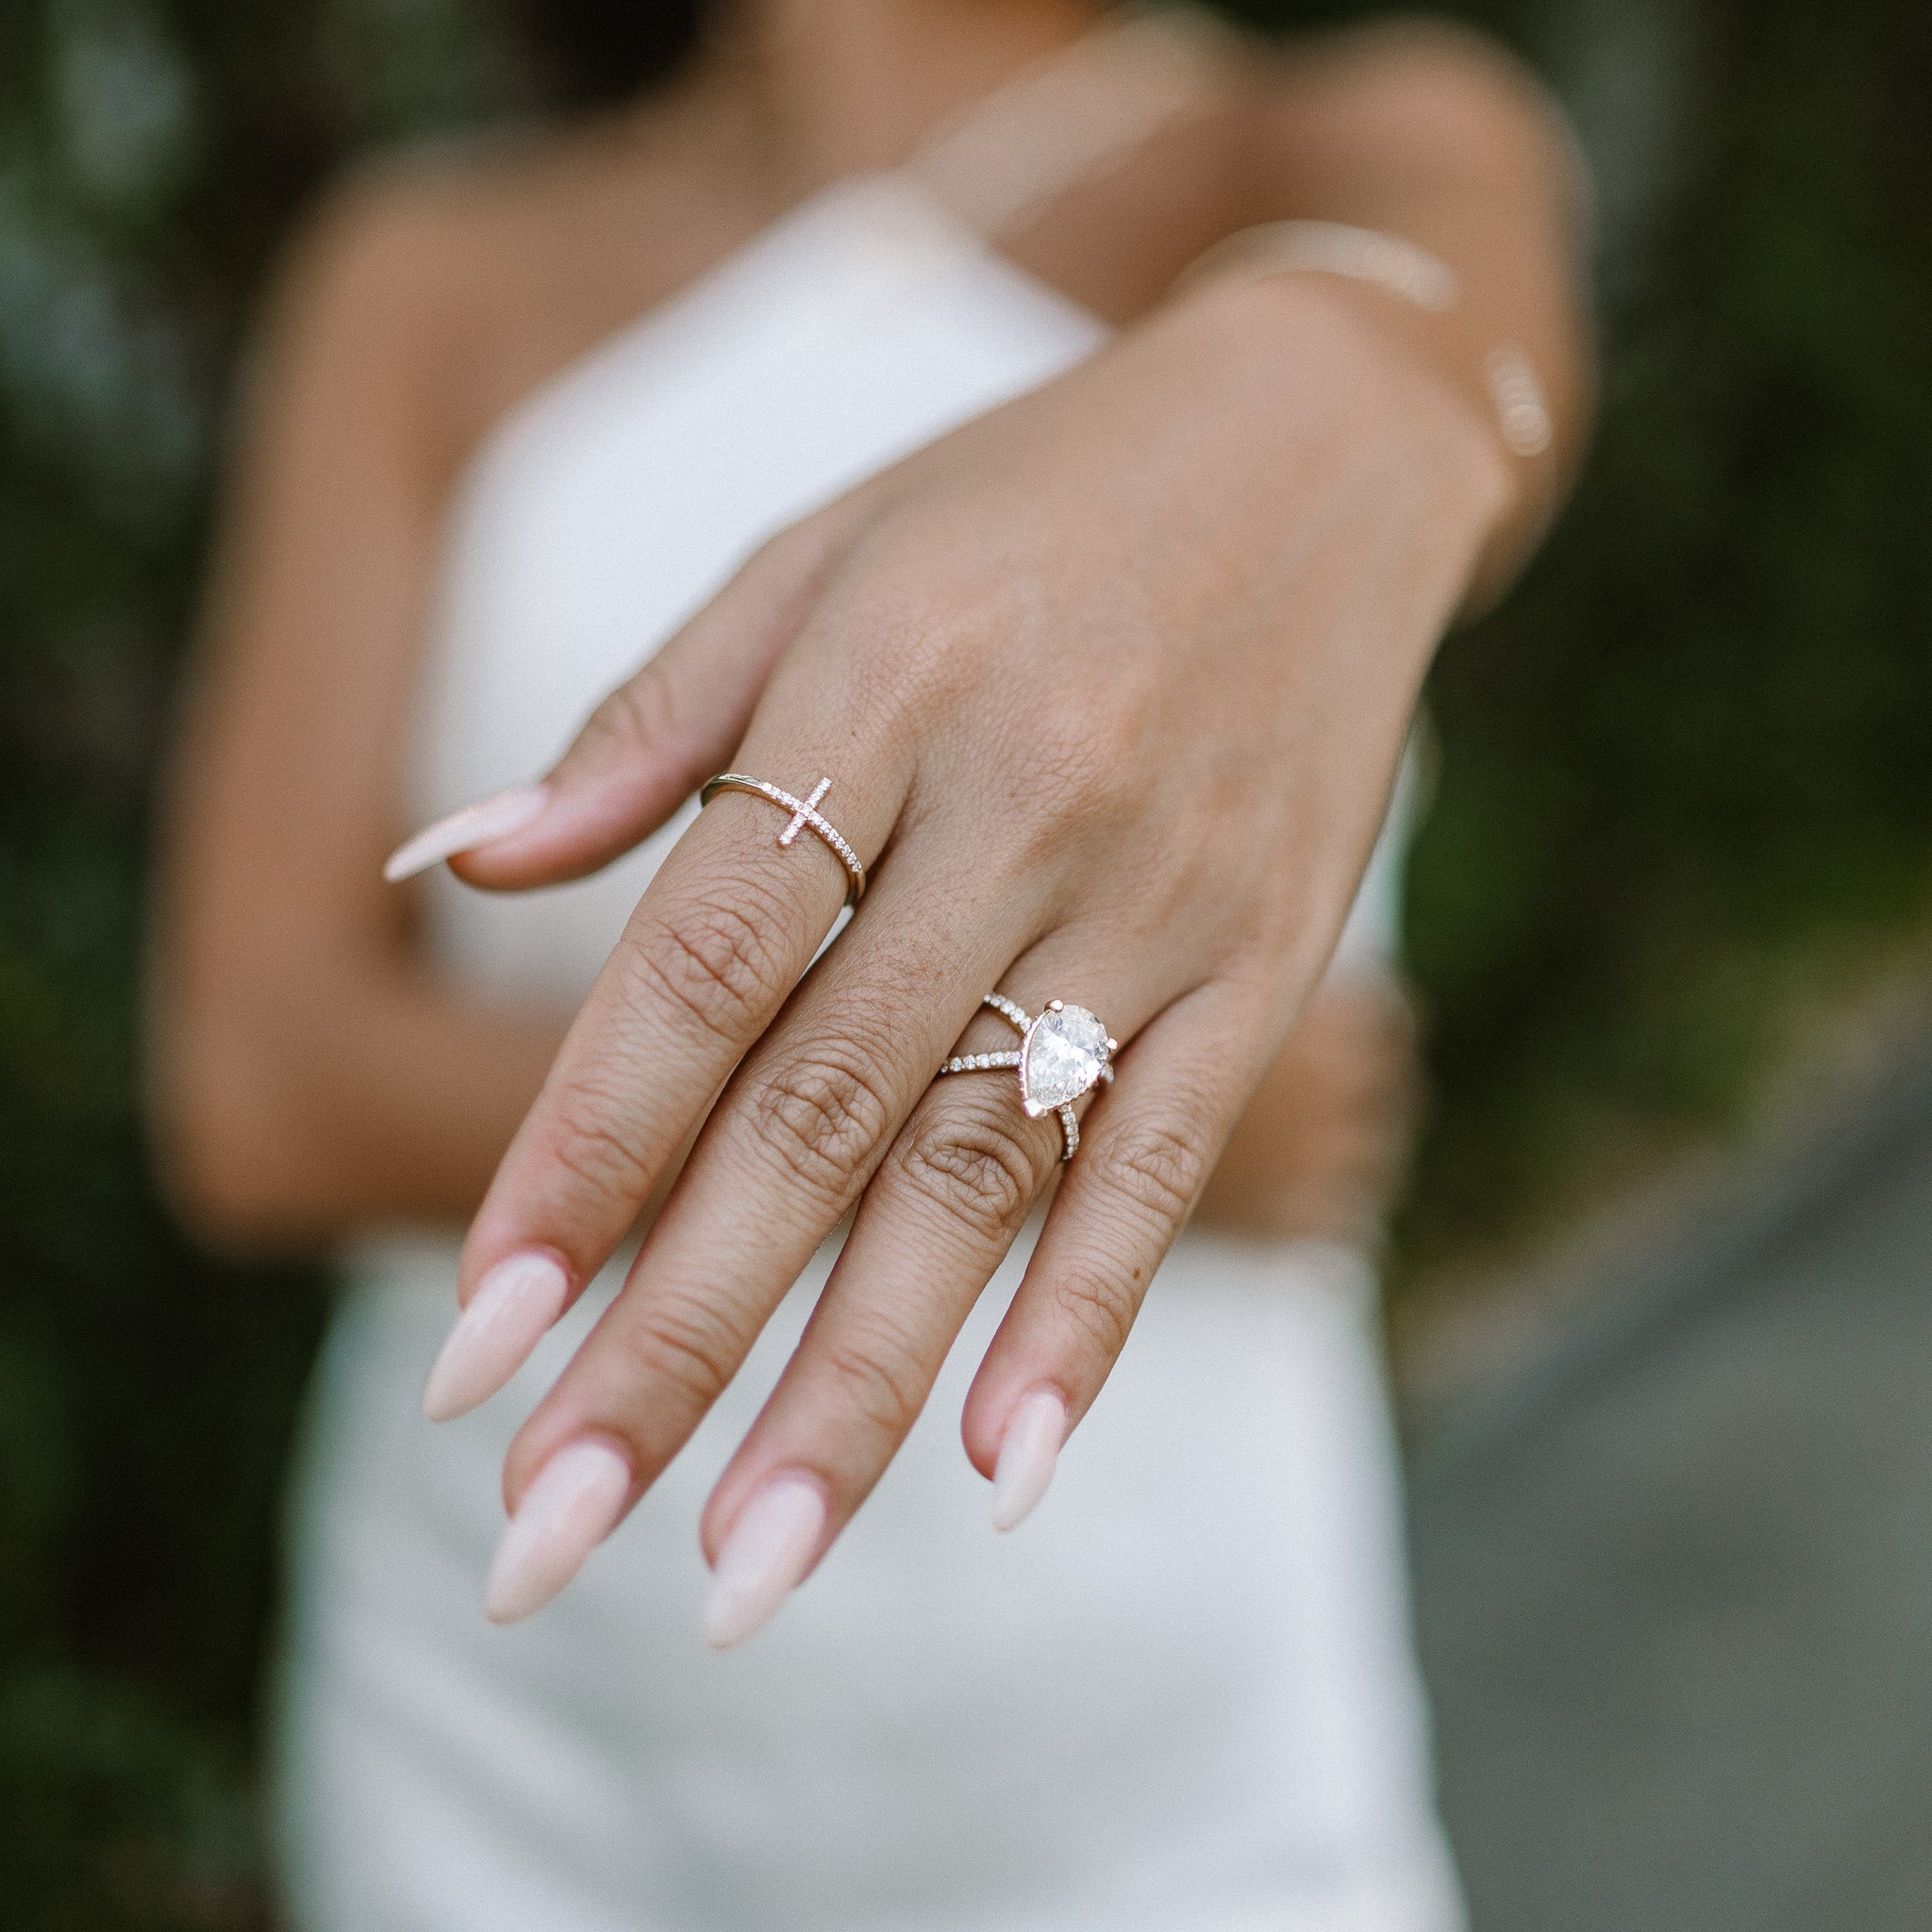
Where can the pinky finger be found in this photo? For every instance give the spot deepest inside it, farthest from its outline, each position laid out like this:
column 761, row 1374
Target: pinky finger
column 1146, row 1150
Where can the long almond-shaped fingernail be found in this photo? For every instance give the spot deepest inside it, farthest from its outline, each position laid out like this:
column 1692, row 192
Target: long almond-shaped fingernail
column 764, row 1558
column 567, row 1511
column 511, row 1312
column 1029, row 1451
column 477, row 825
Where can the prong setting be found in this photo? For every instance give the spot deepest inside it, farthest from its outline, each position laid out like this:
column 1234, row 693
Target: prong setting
column 1064, row 1052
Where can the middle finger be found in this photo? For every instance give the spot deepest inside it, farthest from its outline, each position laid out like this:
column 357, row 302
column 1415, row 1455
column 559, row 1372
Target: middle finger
column 785, row 1155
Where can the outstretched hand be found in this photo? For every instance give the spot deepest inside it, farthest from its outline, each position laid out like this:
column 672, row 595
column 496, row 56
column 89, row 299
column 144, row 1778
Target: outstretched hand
column 1111, row 686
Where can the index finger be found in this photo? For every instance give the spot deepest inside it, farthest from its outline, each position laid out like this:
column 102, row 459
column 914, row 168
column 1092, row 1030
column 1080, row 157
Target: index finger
column 715, row 946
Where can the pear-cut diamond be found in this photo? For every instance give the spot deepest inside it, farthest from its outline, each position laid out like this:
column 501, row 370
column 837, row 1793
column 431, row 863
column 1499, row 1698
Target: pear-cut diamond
column 1066, row 1049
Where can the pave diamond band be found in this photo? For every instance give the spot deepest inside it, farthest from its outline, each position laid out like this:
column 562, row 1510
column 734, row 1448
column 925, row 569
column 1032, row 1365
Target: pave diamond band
column 805, row 815
column 975, row 1062
column 1063, row 1053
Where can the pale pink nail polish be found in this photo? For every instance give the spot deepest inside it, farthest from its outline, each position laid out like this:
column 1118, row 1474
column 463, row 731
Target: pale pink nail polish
column 1029, row 1451
column 511, row 1312
column 764, row 1558
column 571, row 1507
column 463, row 831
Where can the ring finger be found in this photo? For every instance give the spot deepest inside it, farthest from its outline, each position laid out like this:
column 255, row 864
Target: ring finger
column 939, row 1216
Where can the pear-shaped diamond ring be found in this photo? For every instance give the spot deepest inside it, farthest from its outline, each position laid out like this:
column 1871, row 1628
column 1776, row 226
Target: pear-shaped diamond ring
column 1064, row 1053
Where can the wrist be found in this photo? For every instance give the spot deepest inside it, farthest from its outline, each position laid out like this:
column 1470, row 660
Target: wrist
column 1395, row 379
column 1410, row 362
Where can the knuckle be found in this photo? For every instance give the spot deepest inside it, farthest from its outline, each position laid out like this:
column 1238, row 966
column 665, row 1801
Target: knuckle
column 875, row 1381
column 586, row 1142
column 1070, row 757
column 1100, row 1303
column 909, row 668
column 638, row 713
column 720, row 963
column 1160, row 1169
column 979, row 1173
column 684, row 1345
column 1094, row 741
column 648, row 704
column 796, row 546
column 822, row 1116
column 1075, row 788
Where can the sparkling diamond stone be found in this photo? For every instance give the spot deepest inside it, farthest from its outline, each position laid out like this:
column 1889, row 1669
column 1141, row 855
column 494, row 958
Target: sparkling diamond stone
column 1065, row 1051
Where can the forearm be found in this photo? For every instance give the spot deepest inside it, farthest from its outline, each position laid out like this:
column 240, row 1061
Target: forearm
column 344, row 1096
column 1431, row 135
column 415, row 1092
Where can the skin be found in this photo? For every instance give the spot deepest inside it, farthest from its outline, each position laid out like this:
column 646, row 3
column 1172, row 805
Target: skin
column 1236, row 536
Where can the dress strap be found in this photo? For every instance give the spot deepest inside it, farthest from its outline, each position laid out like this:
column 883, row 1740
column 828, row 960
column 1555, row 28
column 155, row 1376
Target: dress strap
column 1074, row 115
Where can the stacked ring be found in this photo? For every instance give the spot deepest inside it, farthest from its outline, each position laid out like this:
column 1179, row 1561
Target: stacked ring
column 1063, row 1053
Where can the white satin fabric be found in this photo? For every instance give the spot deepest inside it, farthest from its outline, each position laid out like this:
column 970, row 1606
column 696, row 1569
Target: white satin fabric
column 1180, row 1699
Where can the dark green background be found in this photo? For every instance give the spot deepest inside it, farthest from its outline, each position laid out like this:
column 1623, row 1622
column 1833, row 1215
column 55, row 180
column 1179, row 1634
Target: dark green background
column 1684, row 800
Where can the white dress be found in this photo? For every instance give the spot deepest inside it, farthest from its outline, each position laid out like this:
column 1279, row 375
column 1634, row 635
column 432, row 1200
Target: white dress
column 1180, row 1698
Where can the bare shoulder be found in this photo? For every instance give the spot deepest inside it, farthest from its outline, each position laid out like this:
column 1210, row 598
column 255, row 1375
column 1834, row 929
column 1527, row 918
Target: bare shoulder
column 1411, row 71
column 453, row 280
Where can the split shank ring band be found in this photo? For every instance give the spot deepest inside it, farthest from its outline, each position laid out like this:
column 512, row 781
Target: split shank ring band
column 1063, row 1054
column 805, row 816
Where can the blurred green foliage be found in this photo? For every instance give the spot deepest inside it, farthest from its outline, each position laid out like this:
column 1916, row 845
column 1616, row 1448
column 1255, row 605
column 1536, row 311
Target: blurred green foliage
column 1685, row 788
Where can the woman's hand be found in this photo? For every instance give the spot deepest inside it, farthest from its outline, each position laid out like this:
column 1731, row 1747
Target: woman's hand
column 1111, row 686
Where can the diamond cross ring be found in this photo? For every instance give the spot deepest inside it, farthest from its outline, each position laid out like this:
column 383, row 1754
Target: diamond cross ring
column 1063, row 1054
column 805, row 815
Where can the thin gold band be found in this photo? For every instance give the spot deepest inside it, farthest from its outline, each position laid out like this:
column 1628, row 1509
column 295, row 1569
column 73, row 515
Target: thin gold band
column 805, row 814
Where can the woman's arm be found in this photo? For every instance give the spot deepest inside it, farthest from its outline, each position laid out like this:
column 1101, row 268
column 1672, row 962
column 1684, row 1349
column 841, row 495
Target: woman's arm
column 1424, row 131
column 308, row 1073
column 1429, row 132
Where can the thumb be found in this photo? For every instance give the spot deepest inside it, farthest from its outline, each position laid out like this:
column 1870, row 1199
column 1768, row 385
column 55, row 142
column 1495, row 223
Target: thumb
column 648, row 746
